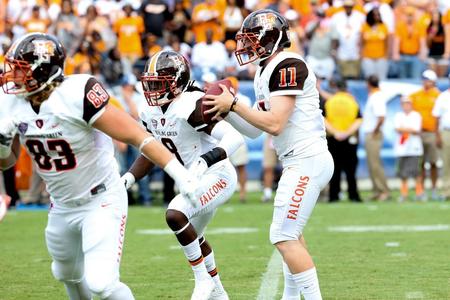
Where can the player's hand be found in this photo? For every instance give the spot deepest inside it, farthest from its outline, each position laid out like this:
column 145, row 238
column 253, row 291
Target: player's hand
column 4, row 204
column 198, row 168
column 128, row 180
column 8, row 129
column 190, row 190
column 221, row 103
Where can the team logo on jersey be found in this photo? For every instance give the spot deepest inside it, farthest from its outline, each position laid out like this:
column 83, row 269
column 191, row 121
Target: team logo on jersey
column 23, row 127
column 39, row 123
column 163, row 121
column 44, row 50
column 154, row 123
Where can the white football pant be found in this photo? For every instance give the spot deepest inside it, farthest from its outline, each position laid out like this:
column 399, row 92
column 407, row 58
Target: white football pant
column 86, row 242
column 218, row 185
column 298, row 190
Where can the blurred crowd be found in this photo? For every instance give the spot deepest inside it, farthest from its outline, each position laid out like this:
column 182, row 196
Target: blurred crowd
column 346, row 39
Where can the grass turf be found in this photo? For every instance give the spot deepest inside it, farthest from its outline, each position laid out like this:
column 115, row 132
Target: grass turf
column 350, row 265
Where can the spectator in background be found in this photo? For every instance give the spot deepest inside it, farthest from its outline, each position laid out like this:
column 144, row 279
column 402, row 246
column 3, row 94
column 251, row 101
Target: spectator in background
column 207, row 16
column 129, row 29
column 37, row 22
column 408, row 148
column 375, row 46
column 342, row 121
column 385, row 10
column 155, row 14
column 239, row 158
column 208, row 56
column 232, row 19
column 180, row 22
column 441, row 111
column 67, row 28
column 296, row 32
column 318, row 32
column 97, row 30
column 80, row 62
column 181, row 47
column 151, row 45
column 113, row 69
column 346, row 38
column 409, row 48
column 437, row 58
column 374, row 115
column 423, row 102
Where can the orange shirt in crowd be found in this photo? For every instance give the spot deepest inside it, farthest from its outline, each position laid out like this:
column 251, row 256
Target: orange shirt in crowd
column 423, row 103
column 409, row 37
column 446, row 17
column 303, row 7
column 374, row 40
column 36, row 25
column 129, row 31
column 207, row 16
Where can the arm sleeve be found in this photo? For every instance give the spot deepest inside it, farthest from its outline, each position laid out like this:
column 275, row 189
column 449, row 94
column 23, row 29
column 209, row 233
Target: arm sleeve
column 436, row 112
column 95, row 100
column 243, row 126
column 229, row 141
column 229, row 138
column 288, row 77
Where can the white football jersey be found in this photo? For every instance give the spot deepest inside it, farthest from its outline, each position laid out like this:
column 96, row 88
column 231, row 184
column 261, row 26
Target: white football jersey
column 69, row 154
column 180, row 127
column 288, row 74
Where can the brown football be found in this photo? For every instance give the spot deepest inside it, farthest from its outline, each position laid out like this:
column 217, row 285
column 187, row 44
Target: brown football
column 214, row 89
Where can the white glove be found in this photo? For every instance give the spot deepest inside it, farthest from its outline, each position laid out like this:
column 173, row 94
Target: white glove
column 187, row 184
column 128, row 180
column 8, row 130
column 189, row 188
column 198, row 168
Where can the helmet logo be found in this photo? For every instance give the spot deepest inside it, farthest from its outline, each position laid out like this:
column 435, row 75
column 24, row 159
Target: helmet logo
column 44, row 50
column 267, row 21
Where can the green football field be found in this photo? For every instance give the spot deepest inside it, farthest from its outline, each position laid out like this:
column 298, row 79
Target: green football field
column 362, row 251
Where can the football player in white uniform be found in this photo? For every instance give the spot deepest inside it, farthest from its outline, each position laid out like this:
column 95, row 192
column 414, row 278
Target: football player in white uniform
column 173, row 114
column 288, row 108
column 66, row 125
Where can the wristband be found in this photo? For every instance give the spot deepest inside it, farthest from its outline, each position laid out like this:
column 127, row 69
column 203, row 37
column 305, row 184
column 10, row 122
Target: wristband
column 235, row 100
column 176, row 170
column 145, row 142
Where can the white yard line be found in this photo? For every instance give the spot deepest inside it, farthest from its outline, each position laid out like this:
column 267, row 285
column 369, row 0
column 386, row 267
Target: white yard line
column 270, row 280
column 414, row 295
column 390, row 228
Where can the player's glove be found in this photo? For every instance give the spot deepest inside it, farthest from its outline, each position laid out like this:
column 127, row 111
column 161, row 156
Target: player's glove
column 7, row 131
column 198, row 168
column 128, row 180
column 187, row 184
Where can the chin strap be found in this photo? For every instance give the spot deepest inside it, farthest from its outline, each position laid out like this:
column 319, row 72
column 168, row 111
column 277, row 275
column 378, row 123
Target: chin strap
column 47, row 83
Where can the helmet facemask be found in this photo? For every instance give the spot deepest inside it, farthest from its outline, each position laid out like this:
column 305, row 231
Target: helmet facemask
column 248, row 48
column 159, row 90
column 18, row 77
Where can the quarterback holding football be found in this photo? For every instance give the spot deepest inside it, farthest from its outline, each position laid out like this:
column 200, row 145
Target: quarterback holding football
column 287, row 107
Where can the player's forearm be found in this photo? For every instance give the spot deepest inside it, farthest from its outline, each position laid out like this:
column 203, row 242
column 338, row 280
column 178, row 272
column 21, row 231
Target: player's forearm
column 140, row 167
column 8, row 162
column 229, row 138
column 264, row 120
column 243, row 126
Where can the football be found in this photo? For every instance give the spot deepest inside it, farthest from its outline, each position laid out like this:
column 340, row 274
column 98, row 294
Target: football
column 214, row 89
